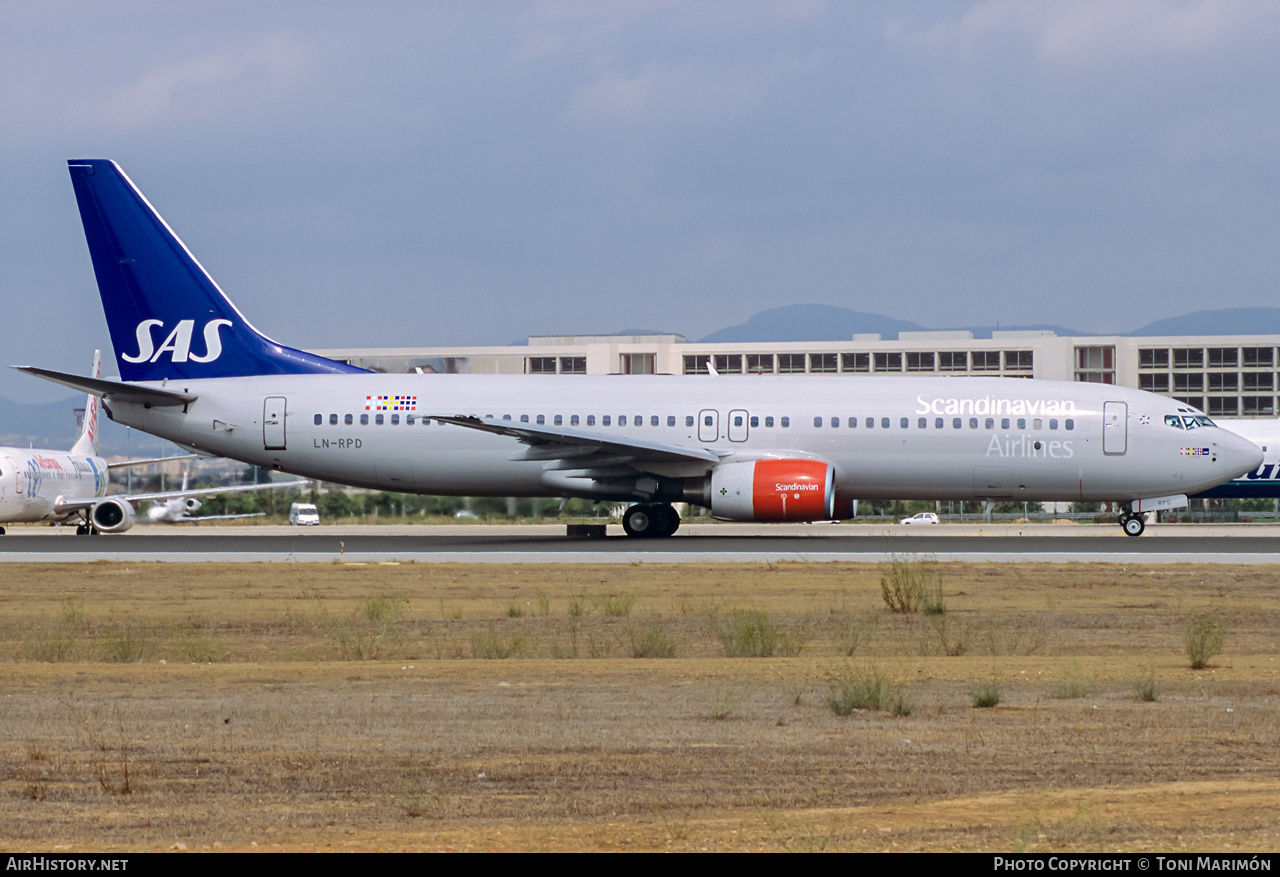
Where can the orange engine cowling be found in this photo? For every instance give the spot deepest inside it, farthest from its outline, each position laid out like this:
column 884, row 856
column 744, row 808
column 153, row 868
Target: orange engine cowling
column 773, row 490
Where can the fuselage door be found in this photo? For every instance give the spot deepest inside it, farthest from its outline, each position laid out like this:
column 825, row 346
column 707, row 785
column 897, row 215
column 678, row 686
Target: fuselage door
column 13, row 469
column 1115, row 427
column 708, row 425
column 273, row 411
column 738, row 426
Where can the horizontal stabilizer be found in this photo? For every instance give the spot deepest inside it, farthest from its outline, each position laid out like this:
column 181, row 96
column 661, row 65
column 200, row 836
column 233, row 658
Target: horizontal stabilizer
column 113, row 390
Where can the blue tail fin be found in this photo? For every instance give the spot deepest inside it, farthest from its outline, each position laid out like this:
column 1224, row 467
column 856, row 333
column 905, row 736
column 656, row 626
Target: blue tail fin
column 167, row 317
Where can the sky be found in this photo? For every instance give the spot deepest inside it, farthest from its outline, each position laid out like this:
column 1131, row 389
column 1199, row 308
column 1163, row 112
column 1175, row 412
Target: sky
column 434, row 173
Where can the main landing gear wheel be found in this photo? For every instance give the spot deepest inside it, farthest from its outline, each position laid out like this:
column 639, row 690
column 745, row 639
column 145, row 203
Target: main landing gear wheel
column 649, row 521
column 1133, row 524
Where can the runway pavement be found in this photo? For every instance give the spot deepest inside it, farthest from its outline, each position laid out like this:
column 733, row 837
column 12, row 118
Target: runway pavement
column 698, row 543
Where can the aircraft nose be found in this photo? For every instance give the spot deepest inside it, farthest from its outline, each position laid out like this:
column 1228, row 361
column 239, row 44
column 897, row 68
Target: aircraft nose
column 1237, row 455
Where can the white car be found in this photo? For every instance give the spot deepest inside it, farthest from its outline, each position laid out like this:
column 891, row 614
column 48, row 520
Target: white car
column 303, row 514
column 922, row 518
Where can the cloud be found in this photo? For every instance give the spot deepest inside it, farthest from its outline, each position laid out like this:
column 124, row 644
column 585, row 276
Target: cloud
column 1087, row 34
column 662, row 93
column 230, row 85
column 211, row 83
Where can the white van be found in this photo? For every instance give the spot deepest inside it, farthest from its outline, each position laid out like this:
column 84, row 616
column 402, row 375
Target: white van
column 303, row 514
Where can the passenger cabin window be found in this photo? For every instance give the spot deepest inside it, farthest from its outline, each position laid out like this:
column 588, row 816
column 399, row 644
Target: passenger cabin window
column 785, row 422
column 319, row 419
column 688, row 421
column 347, row 419
column 364, row 419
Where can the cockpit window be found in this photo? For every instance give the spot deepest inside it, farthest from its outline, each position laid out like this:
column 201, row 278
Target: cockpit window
column 1196, row 421
column 1173, row 420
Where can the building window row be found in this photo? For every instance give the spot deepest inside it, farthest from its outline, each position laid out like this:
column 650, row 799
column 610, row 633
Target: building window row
column 1232, row 406
column 1206, row 357
column 555, row 365
column 889, row 362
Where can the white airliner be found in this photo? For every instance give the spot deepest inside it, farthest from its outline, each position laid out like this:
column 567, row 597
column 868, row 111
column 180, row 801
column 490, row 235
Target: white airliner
column 749, row 448
column 64, row 486
column 1263, row 482
column 182, row 507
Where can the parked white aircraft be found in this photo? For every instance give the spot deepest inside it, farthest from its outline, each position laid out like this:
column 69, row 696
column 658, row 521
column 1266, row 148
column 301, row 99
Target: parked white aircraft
column 65, row 486
column 749, row 448
column 1263, row 482
column 182, row 508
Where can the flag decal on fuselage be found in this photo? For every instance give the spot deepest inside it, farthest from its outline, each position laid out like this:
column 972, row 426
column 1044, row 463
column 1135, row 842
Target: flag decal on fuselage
column 390, row 403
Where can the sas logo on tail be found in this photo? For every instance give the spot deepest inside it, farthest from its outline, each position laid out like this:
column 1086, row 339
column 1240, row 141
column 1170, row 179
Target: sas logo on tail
column 178, row 343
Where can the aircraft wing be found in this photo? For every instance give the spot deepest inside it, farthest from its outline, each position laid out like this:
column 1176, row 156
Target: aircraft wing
column 126, row 463
column 578, row 449
column 72, row 504
column 195, row 519
column 112, row 389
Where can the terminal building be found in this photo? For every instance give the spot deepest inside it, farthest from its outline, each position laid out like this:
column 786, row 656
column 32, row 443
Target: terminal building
column 1222, row 375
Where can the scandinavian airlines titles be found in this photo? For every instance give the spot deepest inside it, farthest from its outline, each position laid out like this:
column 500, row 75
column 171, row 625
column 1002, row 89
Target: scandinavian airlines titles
column 995, row 405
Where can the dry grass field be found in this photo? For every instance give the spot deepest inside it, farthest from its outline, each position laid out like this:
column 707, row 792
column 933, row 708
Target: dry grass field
column 538, row 707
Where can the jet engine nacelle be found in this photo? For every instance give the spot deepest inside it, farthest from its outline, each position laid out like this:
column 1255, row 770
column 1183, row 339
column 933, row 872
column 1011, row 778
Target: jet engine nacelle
column 773, row 490
column 112, row 516
column 191, row 504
